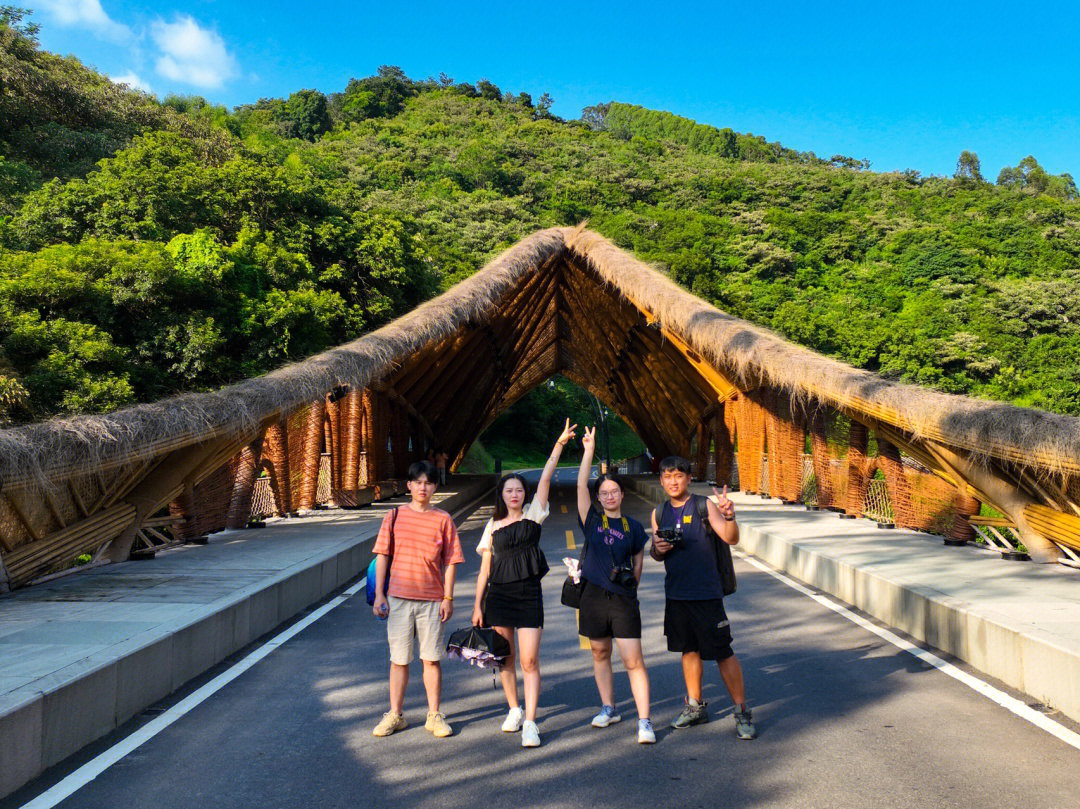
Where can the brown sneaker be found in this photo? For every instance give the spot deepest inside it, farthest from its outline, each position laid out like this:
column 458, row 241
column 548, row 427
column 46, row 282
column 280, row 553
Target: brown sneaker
column 436, row 725
column 390, row 723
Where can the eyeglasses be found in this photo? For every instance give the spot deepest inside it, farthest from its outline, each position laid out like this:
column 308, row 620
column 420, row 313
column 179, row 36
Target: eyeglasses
column 608, row 494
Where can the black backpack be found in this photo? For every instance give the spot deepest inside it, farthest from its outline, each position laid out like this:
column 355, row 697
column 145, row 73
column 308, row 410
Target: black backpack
column 724, row 563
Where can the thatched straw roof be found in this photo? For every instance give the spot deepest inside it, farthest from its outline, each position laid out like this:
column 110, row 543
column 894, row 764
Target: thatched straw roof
column 746, row 354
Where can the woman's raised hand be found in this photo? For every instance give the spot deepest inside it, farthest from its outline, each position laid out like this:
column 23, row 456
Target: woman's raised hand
column 567, row 434
column 588, row 438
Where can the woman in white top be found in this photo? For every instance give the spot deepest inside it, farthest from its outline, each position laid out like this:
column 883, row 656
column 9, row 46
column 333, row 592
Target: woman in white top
column 508, row 595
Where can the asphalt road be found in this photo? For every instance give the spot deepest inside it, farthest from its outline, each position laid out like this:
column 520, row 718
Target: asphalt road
column 845, row 720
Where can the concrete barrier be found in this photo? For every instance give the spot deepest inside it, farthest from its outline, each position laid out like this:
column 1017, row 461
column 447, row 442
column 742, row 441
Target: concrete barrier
column 1014, row 621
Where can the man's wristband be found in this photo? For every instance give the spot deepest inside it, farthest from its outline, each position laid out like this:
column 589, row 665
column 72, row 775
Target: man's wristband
column 727, row 518
column 447, row 598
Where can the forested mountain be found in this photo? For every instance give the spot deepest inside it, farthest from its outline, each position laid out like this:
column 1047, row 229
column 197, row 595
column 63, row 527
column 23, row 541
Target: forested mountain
column 148, row 248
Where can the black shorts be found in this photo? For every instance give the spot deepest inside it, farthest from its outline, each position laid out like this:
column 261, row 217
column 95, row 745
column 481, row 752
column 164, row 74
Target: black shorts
column 698, row 626
column 605, row 614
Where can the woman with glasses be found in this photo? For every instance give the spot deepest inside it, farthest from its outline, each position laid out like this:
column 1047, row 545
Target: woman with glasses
column 611, row 559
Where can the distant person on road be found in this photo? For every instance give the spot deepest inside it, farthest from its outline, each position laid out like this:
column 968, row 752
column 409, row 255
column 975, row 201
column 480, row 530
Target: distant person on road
column 417, row 548
column 441, row 459
column 508, row 595
column 612, row 555
column 695, row 622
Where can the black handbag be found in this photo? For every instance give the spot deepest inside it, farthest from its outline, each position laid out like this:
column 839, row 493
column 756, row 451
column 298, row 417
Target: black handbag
column 571, row 593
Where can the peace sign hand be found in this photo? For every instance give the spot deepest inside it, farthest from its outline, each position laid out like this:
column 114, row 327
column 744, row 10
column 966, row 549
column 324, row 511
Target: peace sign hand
column 567, row 434
column 726, row 507
column 588, row 438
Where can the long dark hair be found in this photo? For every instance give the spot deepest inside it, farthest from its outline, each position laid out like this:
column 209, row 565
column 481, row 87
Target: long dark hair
column 501, row 511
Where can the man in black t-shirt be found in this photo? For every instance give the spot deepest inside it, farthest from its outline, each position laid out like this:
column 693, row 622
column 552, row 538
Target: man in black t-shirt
column 695, row 622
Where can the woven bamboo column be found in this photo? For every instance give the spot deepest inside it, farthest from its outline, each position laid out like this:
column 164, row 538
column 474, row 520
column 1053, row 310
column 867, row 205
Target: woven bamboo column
column 349, row 430
column 856, row 459
column 786, row 452
column 701, row 457
column 367, row 465
column 896, row 481
column 727, row 435
column 333, row 419
column 771, row 423
column 213, row 496
column 376, row 448
column 243, row 484
column 186, row 513
column 313, row 444
column 961, row 531
column 751, row 420
column 399, row 439
column 276, row 459
column 819, row 447
column 723, row 449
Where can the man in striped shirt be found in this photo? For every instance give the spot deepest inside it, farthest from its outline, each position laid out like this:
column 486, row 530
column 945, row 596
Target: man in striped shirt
column 417, row 548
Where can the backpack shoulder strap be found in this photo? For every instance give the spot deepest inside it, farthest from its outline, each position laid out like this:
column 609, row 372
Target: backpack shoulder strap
column 393, row 519
column 701, row 504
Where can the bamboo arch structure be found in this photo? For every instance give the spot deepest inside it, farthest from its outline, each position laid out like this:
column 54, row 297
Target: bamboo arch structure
column 567, row 301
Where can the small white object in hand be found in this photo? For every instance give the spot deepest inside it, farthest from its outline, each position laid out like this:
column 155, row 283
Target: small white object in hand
column 573, row 569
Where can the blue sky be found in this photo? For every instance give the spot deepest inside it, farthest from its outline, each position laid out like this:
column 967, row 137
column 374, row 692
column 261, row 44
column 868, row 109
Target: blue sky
column 907, row 85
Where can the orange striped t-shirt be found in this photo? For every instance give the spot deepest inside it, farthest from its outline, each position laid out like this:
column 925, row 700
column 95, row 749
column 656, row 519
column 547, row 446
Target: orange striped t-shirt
column 425, row 542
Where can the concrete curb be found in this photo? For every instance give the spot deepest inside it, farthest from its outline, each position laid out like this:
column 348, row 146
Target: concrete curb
column 1003, row 630
column 44, row 722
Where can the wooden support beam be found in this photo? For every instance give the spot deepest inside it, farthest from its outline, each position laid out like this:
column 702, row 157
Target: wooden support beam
column 27, row 525
column 76, row 498
column 152, row 493
column 1008, row 497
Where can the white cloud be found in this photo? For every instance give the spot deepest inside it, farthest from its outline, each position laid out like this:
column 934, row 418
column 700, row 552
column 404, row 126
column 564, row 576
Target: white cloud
column 132, row 81
column 192, row 54
column 87, row 14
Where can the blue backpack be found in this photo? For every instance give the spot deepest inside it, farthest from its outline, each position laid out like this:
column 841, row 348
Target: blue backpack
column 371, row 565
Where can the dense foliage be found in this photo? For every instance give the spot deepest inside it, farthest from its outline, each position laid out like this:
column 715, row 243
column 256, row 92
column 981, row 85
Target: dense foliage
column 148, row 248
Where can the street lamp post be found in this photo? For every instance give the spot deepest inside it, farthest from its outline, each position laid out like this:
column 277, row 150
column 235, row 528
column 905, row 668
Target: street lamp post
column 601, row 421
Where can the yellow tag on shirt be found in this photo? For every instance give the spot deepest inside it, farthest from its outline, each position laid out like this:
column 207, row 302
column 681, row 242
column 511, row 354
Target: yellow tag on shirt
column 687, row 519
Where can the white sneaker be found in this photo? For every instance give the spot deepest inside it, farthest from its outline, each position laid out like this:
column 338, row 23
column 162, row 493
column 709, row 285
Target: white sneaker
column 607, row 716
column 645, row 732
column 530, row 735
column 512, row 723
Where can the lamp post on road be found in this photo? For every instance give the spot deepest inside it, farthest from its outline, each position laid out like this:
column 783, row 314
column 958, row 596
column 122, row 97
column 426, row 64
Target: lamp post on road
column 601, row 421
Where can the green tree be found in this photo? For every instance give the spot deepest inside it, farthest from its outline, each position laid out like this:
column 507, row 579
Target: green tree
column 968, row 168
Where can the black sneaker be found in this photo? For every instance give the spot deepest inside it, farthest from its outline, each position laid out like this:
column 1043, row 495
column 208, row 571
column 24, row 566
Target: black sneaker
column 744, row 724
column 693, row 713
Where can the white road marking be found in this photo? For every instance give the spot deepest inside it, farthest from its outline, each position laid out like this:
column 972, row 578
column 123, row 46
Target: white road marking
column 996, row 695
column 96, row 766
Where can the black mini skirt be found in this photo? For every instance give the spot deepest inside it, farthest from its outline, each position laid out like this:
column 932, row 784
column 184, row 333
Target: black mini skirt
column 515, row 604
